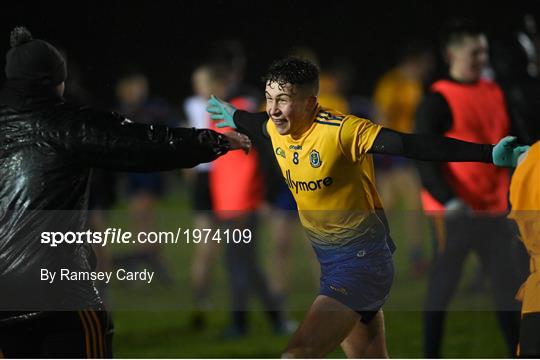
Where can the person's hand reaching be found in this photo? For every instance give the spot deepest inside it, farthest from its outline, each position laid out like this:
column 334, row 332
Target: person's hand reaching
column 238, row 141
column 221, row 110
column 507, row 152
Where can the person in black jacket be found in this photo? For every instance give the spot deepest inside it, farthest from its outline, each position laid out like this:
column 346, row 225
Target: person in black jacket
column 47, row 152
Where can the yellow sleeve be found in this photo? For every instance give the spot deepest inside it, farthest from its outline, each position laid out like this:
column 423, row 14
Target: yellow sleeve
column 356, row 136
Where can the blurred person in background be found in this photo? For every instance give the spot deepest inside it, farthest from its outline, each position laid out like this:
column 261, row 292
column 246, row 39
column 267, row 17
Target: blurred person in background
column 397, row 94
column 207, row 79
column 144, row 190
column 237, row 195
column 48, row 150
column 467, row 201
column 399, row 91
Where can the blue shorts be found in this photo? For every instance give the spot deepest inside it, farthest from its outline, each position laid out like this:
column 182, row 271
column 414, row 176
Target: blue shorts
column 358, row 274
column 284, row 199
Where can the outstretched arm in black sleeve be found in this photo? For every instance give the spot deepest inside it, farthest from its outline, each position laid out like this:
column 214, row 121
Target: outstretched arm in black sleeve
column 107, row 140
column 429, row 146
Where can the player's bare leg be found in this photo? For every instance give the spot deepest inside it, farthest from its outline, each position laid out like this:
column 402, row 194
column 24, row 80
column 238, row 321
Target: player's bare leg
column 367, row 340
column 326, row 325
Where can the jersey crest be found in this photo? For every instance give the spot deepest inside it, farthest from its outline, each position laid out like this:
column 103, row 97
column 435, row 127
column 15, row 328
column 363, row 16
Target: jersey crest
column 315, row 158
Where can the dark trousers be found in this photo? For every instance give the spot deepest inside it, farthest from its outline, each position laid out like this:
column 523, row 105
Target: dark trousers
column 492, row 239
column 60, row 334
column 246, row 277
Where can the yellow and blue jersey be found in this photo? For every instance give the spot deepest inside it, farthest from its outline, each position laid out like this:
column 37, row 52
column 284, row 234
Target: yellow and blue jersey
column 330, row 173
column 331, row 176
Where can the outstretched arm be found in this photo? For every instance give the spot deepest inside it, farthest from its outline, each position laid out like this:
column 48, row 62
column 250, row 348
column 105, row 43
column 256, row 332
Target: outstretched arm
column 107, row 140
column 430, row 147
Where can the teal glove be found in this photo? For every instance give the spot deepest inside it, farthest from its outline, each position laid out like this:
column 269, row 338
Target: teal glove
column 221, row 110
column 506, row 153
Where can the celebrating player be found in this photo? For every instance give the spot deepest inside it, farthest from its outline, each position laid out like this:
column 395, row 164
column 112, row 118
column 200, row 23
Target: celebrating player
column 325, row 159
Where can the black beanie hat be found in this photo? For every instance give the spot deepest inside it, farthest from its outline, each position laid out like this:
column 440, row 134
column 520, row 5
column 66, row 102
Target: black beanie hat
column 34, row 59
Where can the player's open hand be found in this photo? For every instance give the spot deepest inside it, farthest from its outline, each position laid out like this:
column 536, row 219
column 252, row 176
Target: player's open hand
column 238, row 141
column 221, row 110
column 507, row 152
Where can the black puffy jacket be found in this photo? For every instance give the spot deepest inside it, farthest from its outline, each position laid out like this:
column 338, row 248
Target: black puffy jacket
column 47, row 152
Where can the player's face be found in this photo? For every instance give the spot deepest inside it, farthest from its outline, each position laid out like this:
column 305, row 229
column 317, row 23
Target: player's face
column 289, row 108
column 468, row 58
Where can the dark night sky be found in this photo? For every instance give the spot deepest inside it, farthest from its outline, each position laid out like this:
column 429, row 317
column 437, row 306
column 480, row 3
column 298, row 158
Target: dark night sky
column 165, row 39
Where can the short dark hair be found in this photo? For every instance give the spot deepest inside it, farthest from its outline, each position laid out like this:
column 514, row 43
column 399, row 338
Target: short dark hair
column 294, row 71
column 456, row 30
